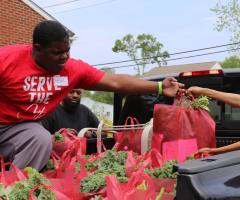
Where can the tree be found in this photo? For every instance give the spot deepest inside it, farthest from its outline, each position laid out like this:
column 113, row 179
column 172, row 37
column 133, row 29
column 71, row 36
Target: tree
column 142, row 50
column 229, row 19
column 104, row 97
column 231, row 62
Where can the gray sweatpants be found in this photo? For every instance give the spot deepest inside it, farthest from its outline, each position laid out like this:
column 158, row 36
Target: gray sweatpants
column 33, row 143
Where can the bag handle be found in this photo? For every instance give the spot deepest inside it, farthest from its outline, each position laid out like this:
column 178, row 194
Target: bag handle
column 83, row 131
column 55, row 158
column 183, row 100
column 58, row 194
column 129, row 119
column 99, row 137
column 68, row 132
column 133, row 121
column 20, row 175
column 146, row 139
column 99, row 131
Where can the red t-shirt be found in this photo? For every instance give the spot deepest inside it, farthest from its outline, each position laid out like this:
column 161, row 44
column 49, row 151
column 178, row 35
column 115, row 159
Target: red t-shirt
column 29, row 92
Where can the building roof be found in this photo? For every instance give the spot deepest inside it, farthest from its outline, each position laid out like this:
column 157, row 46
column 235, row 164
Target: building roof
column 43, row 13
column 176, row 69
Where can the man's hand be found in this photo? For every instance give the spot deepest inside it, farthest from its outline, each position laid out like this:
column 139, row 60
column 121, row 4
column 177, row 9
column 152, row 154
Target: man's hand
column 171, row 87
column 210, row 151
column 206, row 150
column 195, row 91
column 88, row 134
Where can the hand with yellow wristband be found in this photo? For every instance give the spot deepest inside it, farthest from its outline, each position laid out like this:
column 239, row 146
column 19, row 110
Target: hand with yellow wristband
column 170, row 87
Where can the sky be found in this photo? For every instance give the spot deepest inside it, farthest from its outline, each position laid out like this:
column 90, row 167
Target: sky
column 178, row 25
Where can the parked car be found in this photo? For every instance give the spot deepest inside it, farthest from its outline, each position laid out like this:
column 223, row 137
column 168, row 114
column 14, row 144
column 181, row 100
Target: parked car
column 227, row 118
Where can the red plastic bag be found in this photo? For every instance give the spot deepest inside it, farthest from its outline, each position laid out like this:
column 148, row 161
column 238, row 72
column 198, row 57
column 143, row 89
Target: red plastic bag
column 166, row 183
column 69, row 187
column 135, row 163
column 66, row 166
column 114, row 189
column 129, row 139
column 131, row 190
column 59, row 195
column 89, row 195
column 179, row 149
column 70, row 139
column 155, row 157
column 9, row 177
column 131, row 163
column 178, row 132
column 65, row 178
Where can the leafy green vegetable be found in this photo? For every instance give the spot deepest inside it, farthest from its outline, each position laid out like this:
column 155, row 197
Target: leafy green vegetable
column 58, row 137
column 3, row 192
column 112, row 163
column 50, row 165
column 20, row 190
column 96, row 197
column 163, row 172
column 202, row 102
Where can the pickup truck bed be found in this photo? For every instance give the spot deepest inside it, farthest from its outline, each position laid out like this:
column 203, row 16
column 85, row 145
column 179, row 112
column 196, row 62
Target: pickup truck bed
column 215, row 177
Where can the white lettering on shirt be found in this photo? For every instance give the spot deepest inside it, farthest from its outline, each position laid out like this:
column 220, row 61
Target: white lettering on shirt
column 49, row 83
column 32, row 96
column 33, row 83
column 34, row 108
column 42, row 81
column 40, row 88
column 26, row 87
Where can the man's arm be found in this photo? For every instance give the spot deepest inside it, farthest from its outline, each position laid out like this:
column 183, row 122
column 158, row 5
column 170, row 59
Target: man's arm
column 229, row 98
column 224, row 149
column 132, row 85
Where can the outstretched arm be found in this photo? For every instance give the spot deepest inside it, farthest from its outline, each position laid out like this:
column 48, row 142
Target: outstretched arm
column 229, row 98
column 224, row 149
column 129, row 85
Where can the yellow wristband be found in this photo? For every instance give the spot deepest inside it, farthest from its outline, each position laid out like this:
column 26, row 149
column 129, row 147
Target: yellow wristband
column 160, row 88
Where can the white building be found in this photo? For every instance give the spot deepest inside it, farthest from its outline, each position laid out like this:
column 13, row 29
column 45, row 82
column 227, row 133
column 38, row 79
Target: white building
column 98, row 108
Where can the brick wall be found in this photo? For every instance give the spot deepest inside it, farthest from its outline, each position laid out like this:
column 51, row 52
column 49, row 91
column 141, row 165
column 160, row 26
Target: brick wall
column 17, row 21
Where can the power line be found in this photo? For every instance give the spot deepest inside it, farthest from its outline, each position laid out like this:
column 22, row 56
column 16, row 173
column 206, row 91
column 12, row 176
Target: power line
column 183, row 52
column 60, row 4
column 97, row 4
column 173, row 59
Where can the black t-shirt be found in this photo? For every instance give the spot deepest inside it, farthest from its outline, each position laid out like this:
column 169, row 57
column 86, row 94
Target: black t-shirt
column 78, row 119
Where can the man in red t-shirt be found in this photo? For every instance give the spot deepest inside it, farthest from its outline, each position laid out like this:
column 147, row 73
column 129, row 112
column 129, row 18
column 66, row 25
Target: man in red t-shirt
column 35, row 78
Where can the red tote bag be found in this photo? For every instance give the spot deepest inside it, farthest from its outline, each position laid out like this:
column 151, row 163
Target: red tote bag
column 70, row 138
column 130, row 138
column 179, row 132
column 8, row 178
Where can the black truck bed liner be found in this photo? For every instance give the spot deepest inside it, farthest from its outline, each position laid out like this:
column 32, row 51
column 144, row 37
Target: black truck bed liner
column 214, row 177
